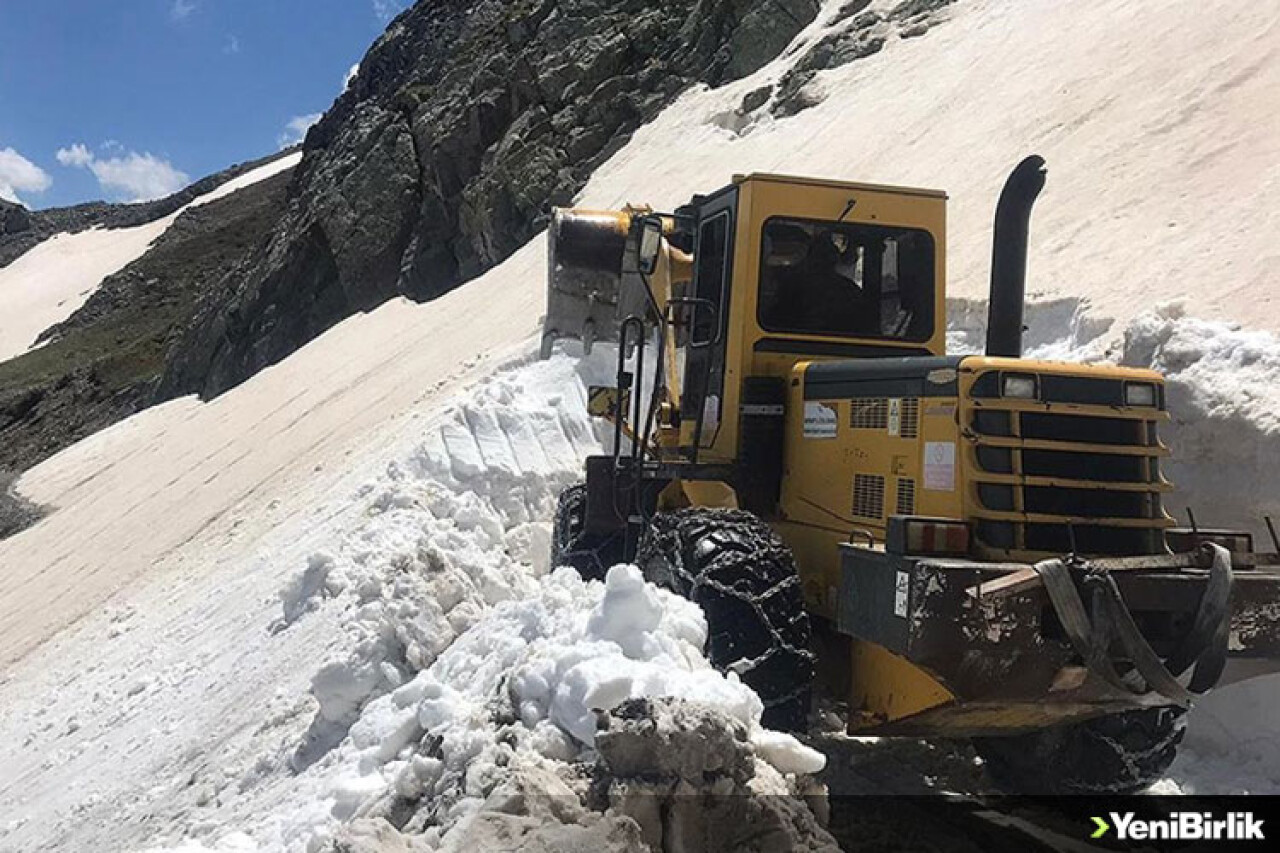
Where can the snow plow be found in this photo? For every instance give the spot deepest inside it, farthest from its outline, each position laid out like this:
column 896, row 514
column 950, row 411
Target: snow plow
column 955, row 545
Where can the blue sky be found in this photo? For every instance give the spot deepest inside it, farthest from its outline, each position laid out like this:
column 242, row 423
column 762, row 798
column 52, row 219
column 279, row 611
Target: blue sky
column 130, row 99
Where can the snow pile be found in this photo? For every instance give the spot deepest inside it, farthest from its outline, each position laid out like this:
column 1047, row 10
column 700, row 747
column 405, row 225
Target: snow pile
column 1225, row 404
column 531, row 676
column 463, row 653
column 55, row 278
column 1054, row 329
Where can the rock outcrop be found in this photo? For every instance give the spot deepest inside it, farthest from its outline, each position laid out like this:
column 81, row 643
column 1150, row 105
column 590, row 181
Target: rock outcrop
column 465, row 123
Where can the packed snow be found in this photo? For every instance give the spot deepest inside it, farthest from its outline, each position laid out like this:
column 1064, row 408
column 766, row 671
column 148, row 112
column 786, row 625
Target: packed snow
column 268, row 613
column 52, row 280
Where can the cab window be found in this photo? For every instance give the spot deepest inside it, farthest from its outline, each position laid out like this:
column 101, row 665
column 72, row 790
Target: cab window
column 847, row 279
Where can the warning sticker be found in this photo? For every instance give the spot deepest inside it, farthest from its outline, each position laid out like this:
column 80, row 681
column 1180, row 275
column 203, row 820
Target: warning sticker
column 901, row 585
column 895, row 417
column 940, row 466
column 819, row 420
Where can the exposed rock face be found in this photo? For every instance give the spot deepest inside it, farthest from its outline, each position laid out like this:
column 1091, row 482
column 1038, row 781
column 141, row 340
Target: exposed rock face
column 14, row 218
column 16, row 512
column 467, row 120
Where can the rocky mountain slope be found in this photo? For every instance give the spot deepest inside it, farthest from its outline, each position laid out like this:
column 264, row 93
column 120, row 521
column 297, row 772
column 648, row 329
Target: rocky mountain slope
column 103, row 363
column 464, row 123
column 21, row 229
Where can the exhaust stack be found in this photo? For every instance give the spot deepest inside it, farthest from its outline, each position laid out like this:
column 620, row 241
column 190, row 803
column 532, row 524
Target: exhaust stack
column 1009, row 257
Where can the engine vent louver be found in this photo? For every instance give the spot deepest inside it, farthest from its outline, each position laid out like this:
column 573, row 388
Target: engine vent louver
column 871, row 413
column 901, row 417
column 910, row 427
column 906, row 504
column 868, row 496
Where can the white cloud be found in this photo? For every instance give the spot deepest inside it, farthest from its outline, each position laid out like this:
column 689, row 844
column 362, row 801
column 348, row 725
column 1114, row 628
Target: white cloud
column 296, row 130
column 388, row 9
column 232, row 45
column 131, row 176
column 351, row 75
column 77, row 155
column 182, row 9
column 18, row 174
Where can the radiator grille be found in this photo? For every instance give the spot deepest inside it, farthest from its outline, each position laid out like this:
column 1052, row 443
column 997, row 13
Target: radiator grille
column 906, row 496
column 868, row 496
column 1091, row 475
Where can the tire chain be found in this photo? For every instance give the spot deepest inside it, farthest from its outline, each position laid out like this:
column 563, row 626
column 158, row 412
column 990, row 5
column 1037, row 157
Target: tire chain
column 703, row 553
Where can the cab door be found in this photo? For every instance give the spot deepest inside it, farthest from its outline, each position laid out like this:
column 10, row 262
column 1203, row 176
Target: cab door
column 704, row 344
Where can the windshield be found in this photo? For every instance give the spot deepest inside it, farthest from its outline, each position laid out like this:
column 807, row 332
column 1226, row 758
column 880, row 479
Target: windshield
column 848, row 279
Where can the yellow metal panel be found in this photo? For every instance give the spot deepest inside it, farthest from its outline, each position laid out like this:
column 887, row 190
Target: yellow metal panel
column 711, row 493
column 976, row 365
column 843, row 185
column 842, row 481
column 885, row 687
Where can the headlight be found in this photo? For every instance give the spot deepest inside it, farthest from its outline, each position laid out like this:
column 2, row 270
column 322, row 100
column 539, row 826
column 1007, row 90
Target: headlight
column 1139, row 394
column 1018, row 386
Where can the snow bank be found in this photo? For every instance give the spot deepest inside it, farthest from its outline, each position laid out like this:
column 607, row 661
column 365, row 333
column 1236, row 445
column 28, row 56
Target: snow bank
column 463, row 652
column 1225, row 402
column 54, row 279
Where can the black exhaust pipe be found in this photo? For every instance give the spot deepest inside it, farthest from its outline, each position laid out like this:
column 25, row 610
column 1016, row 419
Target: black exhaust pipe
column 1009, row 257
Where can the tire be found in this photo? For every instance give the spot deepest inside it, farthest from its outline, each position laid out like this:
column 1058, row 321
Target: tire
column 1116, row 754
column 744, row 577
column 591, row 555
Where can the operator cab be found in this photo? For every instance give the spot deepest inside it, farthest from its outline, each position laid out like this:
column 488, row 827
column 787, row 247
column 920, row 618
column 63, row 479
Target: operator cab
column 789, row 269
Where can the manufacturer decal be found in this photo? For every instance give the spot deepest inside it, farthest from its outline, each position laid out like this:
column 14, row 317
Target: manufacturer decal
column 819, row 420
column 940, row 466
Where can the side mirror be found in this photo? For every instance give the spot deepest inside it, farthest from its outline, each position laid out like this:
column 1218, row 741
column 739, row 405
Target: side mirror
column 650, row 244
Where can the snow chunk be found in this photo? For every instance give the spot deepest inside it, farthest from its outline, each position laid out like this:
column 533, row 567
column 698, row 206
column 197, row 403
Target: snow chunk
column 628, row 614
column 786, row 753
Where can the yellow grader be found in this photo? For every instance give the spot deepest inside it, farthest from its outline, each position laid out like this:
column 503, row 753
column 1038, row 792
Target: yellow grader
column 954, row 545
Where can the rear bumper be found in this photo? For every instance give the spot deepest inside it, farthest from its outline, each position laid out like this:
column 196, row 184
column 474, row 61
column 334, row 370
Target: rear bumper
column 989, row 635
